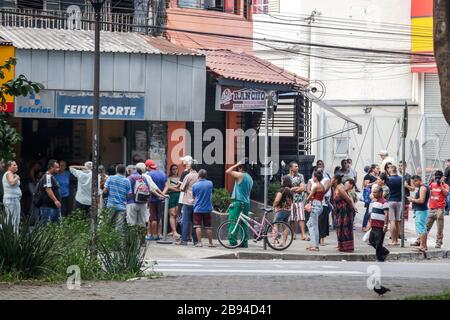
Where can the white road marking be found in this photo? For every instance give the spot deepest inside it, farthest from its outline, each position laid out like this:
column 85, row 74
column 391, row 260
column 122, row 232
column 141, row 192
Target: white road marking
column 257, row 271
column 179, row 264
column 330, row 267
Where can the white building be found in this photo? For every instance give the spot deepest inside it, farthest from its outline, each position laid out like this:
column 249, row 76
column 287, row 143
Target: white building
column 360, row 50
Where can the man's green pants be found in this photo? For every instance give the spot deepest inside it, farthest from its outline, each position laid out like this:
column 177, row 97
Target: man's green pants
column 234, row 211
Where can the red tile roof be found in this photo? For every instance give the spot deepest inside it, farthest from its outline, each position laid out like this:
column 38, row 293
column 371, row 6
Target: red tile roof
column 245, row 67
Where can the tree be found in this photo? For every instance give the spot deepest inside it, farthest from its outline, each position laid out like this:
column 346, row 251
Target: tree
column 442, row 51
column 19, row 86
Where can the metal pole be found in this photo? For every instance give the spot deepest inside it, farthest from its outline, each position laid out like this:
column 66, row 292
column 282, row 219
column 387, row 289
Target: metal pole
column 402, row 209
column 95, row 127
column 266, row 160
column 166, row 222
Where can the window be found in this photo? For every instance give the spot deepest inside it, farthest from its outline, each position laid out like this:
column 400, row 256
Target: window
column 341, row 146
column 261, row 6
column 216, row 5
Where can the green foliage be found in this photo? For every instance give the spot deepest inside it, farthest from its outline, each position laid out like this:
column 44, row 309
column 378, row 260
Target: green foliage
column 19, row 86
column 274, row 187
column 26, row 254
column 45, row 253
column 444, row 296
column 221, row 199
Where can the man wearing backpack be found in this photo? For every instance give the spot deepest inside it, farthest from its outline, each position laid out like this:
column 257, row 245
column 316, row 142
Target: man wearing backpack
column 137, row 213
column 48, row 195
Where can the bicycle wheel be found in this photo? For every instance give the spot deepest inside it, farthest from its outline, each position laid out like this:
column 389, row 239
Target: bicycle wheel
column 230, row 235
column 279, row 236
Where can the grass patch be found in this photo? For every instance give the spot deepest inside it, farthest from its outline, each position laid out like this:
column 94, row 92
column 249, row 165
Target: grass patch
column 443, row 296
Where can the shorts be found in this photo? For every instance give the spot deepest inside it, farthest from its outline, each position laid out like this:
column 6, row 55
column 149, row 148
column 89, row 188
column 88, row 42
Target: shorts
column 297, row 212
column 137, row 214
column 200, row 218
column 155, row 211
column 421, row 222
column 395, row 211
column 173, row 199
column 282, row 215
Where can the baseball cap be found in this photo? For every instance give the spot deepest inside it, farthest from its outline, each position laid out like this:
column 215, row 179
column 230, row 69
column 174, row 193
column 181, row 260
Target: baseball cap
column 151, row 164
column 141, row 166
column 88, row 165
column 383, row 153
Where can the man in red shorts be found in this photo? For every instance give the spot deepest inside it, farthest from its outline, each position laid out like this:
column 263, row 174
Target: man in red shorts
column 202, row 193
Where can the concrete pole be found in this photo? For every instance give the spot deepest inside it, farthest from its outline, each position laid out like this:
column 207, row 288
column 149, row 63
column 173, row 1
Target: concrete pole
column 404, row 133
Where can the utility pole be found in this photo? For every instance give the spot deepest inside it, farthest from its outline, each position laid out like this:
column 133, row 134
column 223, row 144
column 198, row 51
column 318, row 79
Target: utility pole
column 404, row 132
column 311, row 19
column 97, row 4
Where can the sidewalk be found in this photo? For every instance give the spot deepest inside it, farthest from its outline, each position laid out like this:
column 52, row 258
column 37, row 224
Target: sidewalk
column 297, row 251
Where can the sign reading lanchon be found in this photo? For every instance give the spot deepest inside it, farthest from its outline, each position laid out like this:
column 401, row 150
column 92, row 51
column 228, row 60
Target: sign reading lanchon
column 242, row 99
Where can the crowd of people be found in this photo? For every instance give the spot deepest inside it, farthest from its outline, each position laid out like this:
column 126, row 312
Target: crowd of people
column 136, row 195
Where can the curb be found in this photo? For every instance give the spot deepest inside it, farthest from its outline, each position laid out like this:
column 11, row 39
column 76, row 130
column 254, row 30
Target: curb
column 403, row 256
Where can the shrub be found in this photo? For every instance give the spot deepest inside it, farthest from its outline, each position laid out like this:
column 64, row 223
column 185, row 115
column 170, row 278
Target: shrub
column 221, row 199
column 29, row 253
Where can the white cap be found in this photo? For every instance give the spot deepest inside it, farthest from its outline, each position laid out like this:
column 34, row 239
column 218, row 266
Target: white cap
column 187, row 159
column 141, row 166
column 383, row 153
column 88, row 165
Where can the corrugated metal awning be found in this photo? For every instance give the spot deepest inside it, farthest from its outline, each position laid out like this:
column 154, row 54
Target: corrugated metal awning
column 81, row 40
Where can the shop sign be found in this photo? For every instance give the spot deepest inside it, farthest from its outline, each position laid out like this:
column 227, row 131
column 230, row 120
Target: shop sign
column 242, row 99
column 7, row 107
column 112, row 106
column 38, row 105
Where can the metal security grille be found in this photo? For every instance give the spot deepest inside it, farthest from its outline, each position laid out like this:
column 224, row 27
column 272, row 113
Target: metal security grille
column 432, row 94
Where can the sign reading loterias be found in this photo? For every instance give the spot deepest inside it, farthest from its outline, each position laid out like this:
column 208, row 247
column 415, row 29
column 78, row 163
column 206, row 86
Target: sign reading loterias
column 242, row 99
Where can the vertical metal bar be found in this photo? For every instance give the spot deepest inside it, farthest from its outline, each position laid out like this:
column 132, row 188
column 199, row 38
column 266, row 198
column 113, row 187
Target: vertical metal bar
column 404, row 133
column 266, row 160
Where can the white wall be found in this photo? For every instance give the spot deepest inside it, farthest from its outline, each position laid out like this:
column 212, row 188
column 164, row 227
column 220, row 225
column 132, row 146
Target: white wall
column 381, row 25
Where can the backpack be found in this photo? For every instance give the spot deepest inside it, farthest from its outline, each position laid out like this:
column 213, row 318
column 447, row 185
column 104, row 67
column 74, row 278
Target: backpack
column 38, row 196
column 141, row 190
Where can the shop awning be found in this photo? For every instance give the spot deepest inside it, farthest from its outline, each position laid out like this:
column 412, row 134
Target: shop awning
column 250, row 71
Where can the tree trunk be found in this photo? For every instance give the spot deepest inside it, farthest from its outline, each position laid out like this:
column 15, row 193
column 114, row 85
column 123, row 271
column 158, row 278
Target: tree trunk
column 442, row 51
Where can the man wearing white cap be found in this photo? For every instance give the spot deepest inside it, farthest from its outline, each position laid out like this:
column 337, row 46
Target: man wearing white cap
column 385, row 159
column 83, row 198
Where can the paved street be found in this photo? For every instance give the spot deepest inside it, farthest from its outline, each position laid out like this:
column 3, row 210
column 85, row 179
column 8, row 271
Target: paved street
column 212, row 279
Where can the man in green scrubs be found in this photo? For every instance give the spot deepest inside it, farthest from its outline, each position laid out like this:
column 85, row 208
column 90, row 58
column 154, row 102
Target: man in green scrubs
column 243, row 184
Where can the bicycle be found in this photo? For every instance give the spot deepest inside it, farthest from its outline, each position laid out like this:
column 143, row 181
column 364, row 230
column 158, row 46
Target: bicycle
column 277, row 235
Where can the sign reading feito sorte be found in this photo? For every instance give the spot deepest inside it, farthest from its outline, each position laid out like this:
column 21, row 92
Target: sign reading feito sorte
column 112, row 106
column 242, row 99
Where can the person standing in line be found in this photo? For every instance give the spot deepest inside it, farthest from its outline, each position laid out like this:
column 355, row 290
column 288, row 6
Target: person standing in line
column 324, row 218
column 420, row 206
column 408, row 187
column 137, row 213
column 379, row 220
column 345, row 171
column 344, row 208
column 447, row 181
column 130, row 169
column 369, row 180
column 12, row 195
column 438, row 193
column 83, row 197
column 381, row 182
column 63, row 178
column 315, row 197
column 243, row 184
column 173, row 187
column 50, row 207
column 187, row 211
column 298, row 207
column 202, row 193
column 353, row 173
column 282, row 206
column 102, row 180
column 385, row 158
column 158, row 179
column 395, row 186
column 118, row 188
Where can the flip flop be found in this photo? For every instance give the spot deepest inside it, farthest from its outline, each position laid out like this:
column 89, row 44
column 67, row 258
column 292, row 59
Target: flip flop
column 198, row 245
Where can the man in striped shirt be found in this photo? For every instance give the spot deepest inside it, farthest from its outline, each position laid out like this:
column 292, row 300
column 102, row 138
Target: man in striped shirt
column 118, row 188
column 379, row 219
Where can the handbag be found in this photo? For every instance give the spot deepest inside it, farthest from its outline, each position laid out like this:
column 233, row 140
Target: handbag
column 366, row 236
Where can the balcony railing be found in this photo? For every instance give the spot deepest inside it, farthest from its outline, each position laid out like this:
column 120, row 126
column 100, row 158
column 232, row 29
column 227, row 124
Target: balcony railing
column 28, row 18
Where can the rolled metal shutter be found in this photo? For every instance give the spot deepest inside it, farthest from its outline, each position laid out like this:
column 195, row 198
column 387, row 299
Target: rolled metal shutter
column 437, row 131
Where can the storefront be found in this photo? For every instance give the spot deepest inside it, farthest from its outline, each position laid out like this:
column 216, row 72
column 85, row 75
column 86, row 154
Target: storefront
column 148, row 87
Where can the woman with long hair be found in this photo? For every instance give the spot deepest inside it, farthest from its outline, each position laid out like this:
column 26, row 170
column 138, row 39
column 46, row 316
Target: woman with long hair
column 283, row 205
column 315, row 197
column 343, row 207
column 173, row 187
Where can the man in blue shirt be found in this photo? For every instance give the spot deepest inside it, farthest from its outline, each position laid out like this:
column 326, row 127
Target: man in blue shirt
column 118, row 188
column 63, row 178
column 202, row 193
column 394, row 183
column 156, row 207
